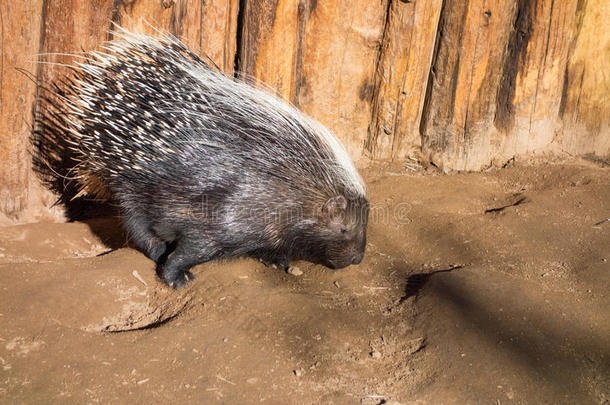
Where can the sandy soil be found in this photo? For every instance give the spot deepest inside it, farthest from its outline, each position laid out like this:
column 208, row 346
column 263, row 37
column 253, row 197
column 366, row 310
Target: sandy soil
column 484, row 288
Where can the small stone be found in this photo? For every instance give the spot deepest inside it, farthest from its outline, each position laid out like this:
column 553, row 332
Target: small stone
column 294, row 270
column 298, row 373
column 375, row 354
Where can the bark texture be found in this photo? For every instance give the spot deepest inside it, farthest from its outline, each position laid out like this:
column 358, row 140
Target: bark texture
column 401, row 79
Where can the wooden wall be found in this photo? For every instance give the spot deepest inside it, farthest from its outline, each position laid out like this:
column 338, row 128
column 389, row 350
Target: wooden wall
column 461, row 83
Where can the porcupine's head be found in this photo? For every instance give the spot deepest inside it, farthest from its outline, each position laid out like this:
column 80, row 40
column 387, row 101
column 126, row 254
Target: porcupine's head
column 333, row 230
column 341, row 233
column 332, row 233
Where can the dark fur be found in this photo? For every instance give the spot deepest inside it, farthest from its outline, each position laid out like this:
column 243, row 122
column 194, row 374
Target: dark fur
column 222, row 185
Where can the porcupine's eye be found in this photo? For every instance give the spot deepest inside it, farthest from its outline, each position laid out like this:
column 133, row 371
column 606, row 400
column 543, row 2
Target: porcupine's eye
column 343, row 230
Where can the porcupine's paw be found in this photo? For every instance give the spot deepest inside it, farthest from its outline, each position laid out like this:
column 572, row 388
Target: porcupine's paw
column 277, row 262
column 177, row 280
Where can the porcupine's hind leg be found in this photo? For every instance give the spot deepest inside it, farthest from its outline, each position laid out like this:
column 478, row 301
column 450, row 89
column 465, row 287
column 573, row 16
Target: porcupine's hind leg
column 175, row 271
column 143, row 237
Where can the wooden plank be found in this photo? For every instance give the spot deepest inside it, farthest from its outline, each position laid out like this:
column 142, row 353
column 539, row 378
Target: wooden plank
column 522, row 59
column 218, row 37
column 401, row 78
column 533, row 77
column 71, row 27
column 271, row 40
column 458, row 119
column 585, row 103
column 340, row 51
column 208, row 28
column 20, row 37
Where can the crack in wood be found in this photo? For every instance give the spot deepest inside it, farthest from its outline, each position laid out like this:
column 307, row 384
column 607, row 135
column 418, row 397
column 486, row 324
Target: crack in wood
column 239, row 37
column 370, row 143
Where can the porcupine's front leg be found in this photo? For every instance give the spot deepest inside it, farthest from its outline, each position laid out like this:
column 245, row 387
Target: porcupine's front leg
column 175, row 271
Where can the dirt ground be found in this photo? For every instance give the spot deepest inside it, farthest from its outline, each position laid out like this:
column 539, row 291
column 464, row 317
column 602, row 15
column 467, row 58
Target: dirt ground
column 486, row 288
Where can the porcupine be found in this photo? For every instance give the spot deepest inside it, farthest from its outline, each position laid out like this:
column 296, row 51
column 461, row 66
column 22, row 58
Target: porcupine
column 204, row 166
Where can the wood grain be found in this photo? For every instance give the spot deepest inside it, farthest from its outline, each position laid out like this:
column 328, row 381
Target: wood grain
column 271, row 42
column 209, row 28
column 19, row 38
column 467, row 75
column 529, row 100
column 401, row 78
column 340, row 54
column 585, row 103
column 64, row 35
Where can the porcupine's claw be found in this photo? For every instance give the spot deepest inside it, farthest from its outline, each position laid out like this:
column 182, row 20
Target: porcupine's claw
column 181, row 281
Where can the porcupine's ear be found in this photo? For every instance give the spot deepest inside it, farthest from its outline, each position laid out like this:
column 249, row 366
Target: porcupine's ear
column 333, row 210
